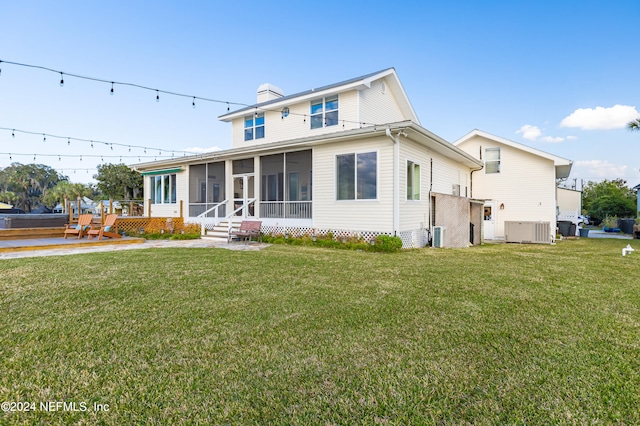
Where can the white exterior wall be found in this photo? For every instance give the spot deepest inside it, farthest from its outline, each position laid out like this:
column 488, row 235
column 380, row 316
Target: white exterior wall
column 524, row 190
column 414, row 214
column 446, row 173
column 169, row 210
column 296, row 125
column 356, row 215
column 377, row 107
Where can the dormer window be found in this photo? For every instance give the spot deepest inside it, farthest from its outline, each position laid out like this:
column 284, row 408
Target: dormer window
column 254, row 127
column 324, row 112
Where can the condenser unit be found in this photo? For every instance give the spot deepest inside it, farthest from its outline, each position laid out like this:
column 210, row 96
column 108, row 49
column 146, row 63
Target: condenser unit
column 438, row 236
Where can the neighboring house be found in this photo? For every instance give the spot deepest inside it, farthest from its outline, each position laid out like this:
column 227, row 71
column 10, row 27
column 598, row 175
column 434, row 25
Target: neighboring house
column 517, row 183
column 350, row 158
column 569, row 200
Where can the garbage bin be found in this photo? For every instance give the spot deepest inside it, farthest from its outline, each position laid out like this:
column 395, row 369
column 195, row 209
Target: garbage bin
column 584, row 232
column 564, row 227
column 626, row 225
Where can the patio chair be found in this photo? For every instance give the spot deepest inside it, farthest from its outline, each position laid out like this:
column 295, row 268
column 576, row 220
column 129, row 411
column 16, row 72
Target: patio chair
column 81, row 228
column 108, row 229
column 248, row 229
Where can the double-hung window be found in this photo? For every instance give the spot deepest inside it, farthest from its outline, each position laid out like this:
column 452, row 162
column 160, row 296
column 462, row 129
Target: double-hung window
column 492, row 160
column 324, row 112
column 413, row 181
column 357, row 176
column 163, row 189
column 254, row 127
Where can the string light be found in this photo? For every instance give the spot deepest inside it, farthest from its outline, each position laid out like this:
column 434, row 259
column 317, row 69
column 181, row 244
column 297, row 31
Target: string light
column 44, row 138
column 90, row 141
column 61, row 80
column 167, row 92
column 193, row 103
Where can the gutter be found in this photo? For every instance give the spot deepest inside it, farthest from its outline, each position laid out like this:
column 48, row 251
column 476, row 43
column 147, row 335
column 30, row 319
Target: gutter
column 396, row 177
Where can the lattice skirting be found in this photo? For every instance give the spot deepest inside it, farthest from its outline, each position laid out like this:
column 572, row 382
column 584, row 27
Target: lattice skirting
column 135, row 224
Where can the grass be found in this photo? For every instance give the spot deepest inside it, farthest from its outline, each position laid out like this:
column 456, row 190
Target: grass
column 299, row 335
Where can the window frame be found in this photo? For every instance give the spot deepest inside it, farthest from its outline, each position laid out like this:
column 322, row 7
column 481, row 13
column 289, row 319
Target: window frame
column 414, row 179
column 358, row 184
column 496, row 164
column 164, row 189
column 322, row 114
column 254, row 126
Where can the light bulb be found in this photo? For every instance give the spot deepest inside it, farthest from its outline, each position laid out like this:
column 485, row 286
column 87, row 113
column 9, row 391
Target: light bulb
column 61, row 80
column 111, row 88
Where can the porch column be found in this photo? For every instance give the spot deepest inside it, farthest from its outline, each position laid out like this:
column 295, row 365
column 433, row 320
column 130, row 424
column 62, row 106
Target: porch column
column 257, row 181
column 228, row 184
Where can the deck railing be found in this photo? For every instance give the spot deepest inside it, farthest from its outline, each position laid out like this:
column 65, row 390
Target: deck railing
column 286, row 209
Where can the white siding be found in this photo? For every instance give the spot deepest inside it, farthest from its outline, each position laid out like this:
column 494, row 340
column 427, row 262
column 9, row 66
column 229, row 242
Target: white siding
column 569, row 199
column 446, row 173
column 377, row 107
column 414, row 214
column 298, row 123
column 169, row 210
column 525, row 188
column 357, row 215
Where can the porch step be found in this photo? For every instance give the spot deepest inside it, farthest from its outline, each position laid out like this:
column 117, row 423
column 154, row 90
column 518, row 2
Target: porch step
column 220, row 232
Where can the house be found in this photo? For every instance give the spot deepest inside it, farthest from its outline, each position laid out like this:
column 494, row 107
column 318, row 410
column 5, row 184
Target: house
column 517, row 183
column 349, row 158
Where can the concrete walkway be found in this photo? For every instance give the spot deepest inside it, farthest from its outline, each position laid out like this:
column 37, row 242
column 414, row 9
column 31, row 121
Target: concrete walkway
column 12, row 249
column 596, row 233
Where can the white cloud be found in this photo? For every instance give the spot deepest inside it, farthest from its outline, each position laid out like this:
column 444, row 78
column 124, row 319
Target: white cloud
column 572, row 138
column 601, row 169
column 530, row 132
column 198, row 150
column 600, row 118
column 551, row 139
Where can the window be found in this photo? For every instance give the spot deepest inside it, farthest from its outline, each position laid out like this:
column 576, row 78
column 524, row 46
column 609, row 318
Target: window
column 324, row 112
column 254, row 127
column 413, row 181
column 163, row 189
column 492, row 160
column 357, row 176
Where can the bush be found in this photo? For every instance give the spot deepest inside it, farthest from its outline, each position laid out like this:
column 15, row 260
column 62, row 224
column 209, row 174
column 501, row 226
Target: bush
column 387, row 244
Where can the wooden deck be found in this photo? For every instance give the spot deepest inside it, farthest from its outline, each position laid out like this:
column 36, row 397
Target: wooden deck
column 22, row 239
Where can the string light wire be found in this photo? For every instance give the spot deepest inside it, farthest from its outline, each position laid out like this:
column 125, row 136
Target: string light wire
column 168, row 92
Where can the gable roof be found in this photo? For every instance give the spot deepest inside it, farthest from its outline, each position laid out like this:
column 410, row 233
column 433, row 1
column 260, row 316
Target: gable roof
column 357, row 83
column 563, row 165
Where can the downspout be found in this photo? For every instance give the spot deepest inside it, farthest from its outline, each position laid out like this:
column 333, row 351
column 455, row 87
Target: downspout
column 396, row 179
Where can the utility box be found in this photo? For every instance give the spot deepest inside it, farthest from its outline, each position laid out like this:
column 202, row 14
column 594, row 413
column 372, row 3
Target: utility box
column 527, row 232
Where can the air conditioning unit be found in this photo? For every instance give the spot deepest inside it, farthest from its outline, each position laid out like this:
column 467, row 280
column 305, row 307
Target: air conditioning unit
column 438, row 236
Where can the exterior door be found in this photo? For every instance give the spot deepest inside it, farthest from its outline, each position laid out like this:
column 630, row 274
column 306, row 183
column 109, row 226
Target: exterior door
column 489, row 220
column 243, row 195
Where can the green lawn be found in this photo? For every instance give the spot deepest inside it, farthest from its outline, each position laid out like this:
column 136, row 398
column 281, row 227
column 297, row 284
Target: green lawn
column 296, row 335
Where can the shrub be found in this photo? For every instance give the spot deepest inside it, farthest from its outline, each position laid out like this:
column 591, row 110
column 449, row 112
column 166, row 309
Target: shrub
column 387, row 244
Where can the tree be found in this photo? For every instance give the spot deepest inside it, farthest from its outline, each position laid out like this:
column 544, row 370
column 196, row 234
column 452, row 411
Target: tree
column 634, row 125
column 66, row 190
column 608, row 198
column 119, row 182
column 28, row 183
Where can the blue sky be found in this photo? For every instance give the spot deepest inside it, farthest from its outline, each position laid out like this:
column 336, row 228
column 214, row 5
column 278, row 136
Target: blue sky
column 560, row 76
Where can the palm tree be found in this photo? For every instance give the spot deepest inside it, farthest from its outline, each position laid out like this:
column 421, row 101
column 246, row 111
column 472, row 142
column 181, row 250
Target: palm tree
column 634, row 125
